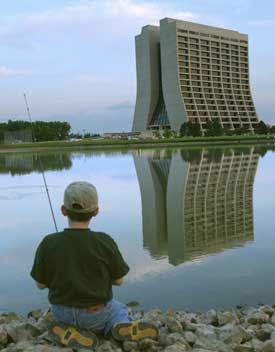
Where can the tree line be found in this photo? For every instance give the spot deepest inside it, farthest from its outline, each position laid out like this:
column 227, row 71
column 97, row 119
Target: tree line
column 214, row 128
column 24, row 131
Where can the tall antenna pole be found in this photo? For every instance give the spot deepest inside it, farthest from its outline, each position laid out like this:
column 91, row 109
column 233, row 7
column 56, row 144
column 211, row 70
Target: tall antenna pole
column 40, row 164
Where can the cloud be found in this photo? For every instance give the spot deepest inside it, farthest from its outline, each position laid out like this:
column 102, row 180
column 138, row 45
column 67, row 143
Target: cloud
column 102, row 18
column 6, row 72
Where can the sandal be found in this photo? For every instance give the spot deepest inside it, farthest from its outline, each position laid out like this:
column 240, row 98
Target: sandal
column 72, row 337
column 134, row 331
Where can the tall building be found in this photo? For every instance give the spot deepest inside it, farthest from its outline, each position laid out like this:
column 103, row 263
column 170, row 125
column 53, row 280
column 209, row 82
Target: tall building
column 196, row 203
column 192, row 72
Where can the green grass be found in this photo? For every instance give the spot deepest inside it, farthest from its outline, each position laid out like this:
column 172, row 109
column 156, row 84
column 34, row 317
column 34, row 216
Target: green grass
column 118, row 142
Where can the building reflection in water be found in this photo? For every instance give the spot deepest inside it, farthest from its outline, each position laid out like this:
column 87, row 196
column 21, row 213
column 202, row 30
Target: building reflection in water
column 196, row 202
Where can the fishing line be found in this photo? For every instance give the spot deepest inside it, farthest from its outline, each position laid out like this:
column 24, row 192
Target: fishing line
column 40, row 163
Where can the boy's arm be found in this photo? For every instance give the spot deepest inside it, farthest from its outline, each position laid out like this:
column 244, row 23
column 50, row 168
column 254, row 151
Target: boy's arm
column 118, row 282
column 38, row 272
column 41, row 286
column 118, row 267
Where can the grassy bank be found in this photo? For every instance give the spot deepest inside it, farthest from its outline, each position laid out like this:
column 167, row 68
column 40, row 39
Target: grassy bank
column 102, row 143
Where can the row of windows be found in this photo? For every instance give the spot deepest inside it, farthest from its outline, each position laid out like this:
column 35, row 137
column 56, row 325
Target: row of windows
column 211, row 36
column 216, row 70
column 216, row 90
column 206, row 82
column 215, row 101
column 211, row 55
column 215, row 76
column 212, row 49
column 195, row 75
column 195, row 63
column 218, row 107
column 195, row 59
column 211, row 96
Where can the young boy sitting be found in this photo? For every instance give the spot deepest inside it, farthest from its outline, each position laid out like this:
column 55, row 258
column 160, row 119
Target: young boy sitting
column 79, row 267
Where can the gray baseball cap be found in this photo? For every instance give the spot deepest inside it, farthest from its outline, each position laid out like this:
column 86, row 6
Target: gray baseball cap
column 81, row 197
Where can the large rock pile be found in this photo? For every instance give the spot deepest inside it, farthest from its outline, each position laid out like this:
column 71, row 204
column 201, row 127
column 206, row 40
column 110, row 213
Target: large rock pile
column 245, row 329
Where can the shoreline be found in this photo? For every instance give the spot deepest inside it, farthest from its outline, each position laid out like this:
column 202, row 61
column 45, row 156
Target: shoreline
column 117, row 144
column 242, row 329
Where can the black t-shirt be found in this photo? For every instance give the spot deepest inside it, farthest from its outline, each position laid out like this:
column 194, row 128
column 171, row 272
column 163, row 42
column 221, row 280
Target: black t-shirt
column 78, row 266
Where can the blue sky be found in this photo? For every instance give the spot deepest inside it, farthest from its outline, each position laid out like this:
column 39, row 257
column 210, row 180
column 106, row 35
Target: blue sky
column 76, row 59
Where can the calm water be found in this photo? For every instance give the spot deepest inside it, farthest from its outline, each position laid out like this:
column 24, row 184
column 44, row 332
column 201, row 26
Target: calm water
column 197, row 227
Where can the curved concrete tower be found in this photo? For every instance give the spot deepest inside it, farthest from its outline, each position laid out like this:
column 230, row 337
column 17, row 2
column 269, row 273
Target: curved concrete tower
column 192, row 72
column 148, row 76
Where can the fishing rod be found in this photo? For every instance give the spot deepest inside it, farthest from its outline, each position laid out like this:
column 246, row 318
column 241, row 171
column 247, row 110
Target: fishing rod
column 40, row 164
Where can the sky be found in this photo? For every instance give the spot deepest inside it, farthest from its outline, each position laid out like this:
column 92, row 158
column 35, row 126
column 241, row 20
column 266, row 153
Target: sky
column 75, row 60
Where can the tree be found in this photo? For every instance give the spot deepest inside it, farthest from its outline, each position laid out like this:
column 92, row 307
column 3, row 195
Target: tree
column 156, row 134
column 167, row 133
column 213, row 128
column 209, row 129
column 42, row 130
column 261, row 128
column 245, row 129
column 185, row 129
column 195, row 129
column 217, row 128
column 227, row 131
column 190, row 129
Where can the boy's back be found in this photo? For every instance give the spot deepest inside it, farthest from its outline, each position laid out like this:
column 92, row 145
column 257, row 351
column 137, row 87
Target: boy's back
column 78, row 266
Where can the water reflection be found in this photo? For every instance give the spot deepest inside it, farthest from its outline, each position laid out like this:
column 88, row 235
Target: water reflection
column 21, row 164
column 196, row 202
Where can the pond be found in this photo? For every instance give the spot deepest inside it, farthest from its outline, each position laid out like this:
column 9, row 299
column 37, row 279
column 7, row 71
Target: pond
column 196, row 226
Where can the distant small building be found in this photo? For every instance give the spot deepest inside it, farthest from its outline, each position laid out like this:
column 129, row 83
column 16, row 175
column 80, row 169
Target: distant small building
column 128, row 135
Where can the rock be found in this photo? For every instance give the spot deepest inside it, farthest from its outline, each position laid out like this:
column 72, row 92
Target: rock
column 173, row 324
column 272, row 320
column 177, row 347
column 191, row 318
column 226, row 317
column 190, row 337
column 3, row 337
column 269, row 346
column 267, row 310
column 243, row 348
column 214, row 345
column 155, row 316
column 6, row 318
column 257, row 345
column 18, row 331
column 264, row 332
column 146, row 344
column 207, row 331
column 169, row 339
column 107, row 346
column 192, row 327
column 44, row 321
column 130, row 345
column 36, row 314
column 210, row 317
column 132, row 304
column 171, row 313
column 234, row 335
column 257, row 317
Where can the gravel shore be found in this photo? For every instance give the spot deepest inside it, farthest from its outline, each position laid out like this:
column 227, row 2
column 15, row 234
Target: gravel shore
column 244, row 329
